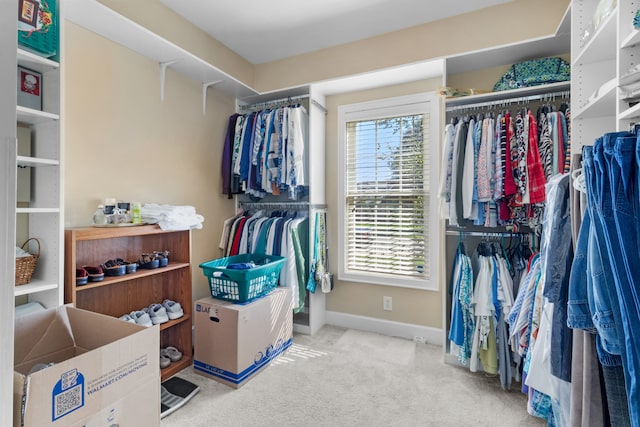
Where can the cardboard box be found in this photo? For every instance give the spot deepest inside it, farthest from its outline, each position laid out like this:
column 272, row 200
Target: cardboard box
column 234, row 342
column 105, row 371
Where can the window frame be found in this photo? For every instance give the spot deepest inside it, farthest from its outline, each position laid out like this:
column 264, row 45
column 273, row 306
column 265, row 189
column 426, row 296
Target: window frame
column 421, row 103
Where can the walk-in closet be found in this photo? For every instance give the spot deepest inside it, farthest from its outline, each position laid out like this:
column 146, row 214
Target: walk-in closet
column 407, row 212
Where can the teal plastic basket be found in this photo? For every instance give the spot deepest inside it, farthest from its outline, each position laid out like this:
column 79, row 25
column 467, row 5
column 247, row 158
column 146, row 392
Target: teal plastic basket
column 243, row 285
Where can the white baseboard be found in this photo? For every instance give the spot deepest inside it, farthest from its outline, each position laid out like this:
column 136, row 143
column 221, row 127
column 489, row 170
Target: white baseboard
column 386, row 327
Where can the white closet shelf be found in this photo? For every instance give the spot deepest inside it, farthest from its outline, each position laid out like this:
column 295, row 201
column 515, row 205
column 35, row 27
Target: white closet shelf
column 631, row 40
column 36, row 162
column 104, row 21
column 36, row 62
column 33, row 117
column 630, row 113
column 36, row 285
column 37, row 210
column 601, row 46
column 629, row 78
column 602, row 103
column 513, row 94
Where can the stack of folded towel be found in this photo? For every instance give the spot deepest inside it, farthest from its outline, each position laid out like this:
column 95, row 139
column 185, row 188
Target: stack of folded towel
column 170, row 217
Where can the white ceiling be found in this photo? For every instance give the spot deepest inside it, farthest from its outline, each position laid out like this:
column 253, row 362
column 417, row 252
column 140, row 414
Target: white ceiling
column 267, row 30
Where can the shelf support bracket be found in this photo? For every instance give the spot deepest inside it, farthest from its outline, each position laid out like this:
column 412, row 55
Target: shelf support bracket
column 205, row 86
column 163, row 73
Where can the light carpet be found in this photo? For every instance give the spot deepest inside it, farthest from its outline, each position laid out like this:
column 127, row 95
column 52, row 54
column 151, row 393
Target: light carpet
column 342, row 377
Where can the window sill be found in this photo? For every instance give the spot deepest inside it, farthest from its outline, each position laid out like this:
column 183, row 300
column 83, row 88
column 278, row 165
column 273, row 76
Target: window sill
column 388, row 280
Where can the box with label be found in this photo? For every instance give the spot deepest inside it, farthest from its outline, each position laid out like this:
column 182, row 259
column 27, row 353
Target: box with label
column 75, row 367
column 38, row 26
column 234, row 342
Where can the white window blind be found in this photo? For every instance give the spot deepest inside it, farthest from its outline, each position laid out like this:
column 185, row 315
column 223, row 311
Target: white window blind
column 386, row 183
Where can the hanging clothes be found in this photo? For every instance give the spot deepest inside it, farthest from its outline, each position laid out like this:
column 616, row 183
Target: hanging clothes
column 264, row 153
column 501, row 182
column 482, row 297
column 275, row 233
column 609, row 245
column 462, row 320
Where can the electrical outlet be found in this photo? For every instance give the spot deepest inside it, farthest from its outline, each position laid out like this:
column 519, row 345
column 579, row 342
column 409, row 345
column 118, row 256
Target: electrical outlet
column 387, row 303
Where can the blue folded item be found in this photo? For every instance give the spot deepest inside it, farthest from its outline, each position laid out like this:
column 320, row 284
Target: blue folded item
column 241, row 266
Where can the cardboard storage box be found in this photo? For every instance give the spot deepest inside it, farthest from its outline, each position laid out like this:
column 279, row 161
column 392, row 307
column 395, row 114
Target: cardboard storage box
column 105, row 371
column 233, row 342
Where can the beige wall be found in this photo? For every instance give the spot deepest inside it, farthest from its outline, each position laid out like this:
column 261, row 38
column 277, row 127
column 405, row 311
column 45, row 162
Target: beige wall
column 122, row 142
column 518, row 20
column 413, row 306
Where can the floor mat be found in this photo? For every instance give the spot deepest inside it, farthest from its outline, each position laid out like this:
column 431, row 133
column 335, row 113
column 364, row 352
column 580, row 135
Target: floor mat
column 174, row 393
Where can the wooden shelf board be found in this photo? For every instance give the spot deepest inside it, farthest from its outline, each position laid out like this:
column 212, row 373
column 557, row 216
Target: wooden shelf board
column 95, row 233
column 109, row 280
column 171, row 323
column 175, row 367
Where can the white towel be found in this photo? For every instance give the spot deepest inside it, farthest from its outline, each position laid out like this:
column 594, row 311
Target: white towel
column 170, row 217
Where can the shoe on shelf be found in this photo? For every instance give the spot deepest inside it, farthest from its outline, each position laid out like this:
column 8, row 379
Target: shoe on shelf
column 164, row 361
column 174, row 309
column 127, row 318
column 141, row 318
column 158, row 314
column 95, row 272
column 82, row 277
column 112, row 268
column 172, row 353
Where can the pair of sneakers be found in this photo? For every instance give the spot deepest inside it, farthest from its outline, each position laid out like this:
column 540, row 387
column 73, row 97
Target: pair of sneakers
column 155, row 314
column 162, row 313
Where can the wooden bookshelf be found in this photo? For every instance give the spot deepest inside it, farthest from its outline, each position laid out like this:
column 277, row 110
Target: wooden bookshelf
column 118, row 295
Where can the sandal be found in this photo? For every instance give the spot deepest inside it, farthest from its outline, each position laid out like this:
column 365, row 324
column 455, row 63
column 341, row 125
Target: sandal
column 82, row 277
column 172, row 353
column 162, row 257
column 148, row 261
column 113, row 268
column 95, row 273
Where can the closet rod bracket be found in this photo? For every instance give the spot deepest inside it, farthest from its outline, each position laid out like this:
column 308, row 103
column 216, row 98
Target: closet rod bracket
column 163, row 74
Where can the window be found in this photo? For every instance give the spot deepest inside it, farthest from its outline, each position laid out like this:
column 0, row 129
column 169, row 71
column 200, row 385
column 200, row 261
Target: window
column 385, row 183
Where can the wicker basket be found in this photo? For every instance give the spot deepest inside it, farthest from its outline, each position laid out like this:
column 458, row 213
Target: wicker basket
column 25, row 265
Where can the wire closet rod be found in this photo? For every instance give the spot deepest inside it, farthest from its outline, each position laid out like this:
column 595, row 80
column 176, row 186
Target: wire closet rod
column 486, row 234
column 565, row 94
column 283, row 205
column 273, row 103
column 280, row 102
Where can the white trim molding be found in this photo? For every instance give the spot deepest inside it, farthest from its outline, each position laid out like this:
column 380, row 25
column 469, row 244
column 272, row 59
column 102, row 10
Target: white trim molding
column 386, row 327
